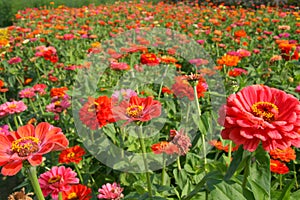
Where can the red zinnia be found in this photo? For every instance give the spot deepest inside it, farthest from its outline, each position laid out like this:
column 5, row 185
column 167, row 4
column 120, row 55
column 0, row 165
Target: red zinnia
column 80, row 192
column 29, row 143
column 149, row 59
column 278, row 167
column 72, row 154
column 137, row 109
column 261, row 114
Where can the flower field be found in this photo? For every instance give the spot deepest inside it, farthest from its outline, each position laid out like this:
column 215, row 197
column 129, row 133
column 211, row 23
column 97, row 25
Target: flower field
column 135, row 100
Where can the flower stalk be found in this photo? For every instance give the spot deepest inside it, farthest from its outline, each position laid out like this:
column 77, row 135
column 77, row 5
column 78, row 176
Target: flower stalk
column 32, row 175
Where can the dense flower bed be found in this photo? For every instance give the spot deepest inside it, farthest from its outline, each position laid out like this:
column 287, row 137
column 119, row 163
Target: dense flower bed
column 142, row 101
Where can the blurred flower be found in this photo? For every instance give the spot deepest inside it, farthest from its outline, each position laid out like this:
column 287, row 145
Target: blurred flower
column 181, row 140
column 1, row 86
column 9, row 108
column 288, row 51
column 297, row 89
column 58, row 92
column 237, row 72
column 68, row 36
column 119, row 65
column 137, row 109
column 110, row 191
column 72, row 154
column 261, row 114
column 27, row 93
column 229, row 60
column 149, row 59
column 14, row 60
column 167, row 59
column 219, row 145
column 4, row 129
column 243, row 53
column 285, row 155
column 58, row 104
column 275, row 58
column 166, row 90
column 240, row 33
column 198, row 61
column 29, row 143
column 278, row 167
column 77, row 192
column 20, row 195
column 57, row 179
column 49, row 53
column 40, row 88
column 164, row 147
column 123, row 94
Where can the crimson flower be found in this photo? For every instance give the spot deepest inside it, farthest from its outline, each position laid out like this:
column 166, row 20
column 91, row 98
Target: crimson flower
column 137, row 109
column 72, row 154
column 29, row 143
column 261, row 114
column 78, row 191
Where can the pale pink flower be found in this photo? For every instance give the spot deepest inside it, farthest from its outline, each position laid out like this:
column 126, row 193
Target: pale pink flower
column 58, row 179
column 12, row 107
column 110, row 191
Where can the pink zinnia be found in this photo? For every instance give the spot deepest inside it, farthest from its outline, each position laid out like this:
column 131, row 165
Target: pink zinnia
column 29, row 143
column 123, row 94
column 40, row 88
column 14, row 60
column 181, row 140
column 12, row 107
column 110, row 191
column 261, row 114
column 297, row 89
column 58, row 179
column 27, row 93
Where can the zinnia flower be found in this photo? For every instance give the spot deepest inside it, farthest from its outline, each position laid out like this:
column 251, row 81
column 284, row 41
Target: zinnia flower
column 58, row 179
column 29, row 143
column 261, row 114
column 164, row 147
column 181, row 140
column 123, row 94
column 77, row 192
column 58, row 92
column 27, row 93
column 278, row 167
column 9, row 108
column 20, row 195
column 149, row 59
column 40, row 88
column 285, row 155
column 14, row 60
column 110, row 191
column 72, row 154
column 137, row 109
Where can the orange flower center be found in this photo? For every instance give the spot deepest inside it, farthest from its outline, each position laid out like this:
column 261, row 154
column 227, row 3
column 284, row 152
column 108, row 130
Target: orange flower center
column 71, row 155
column 266, row 110
column 134, row 111
column 25, row 146
column 72, row 196
column 12, row 106
column 54, row 179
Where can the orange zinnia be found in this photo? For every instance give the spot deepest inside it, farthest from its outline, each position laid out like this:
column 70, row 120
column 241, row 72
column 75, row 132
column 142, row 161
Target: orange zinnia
column 240, row 33
column 229, row 60
column 58, row 92
column 285, row 155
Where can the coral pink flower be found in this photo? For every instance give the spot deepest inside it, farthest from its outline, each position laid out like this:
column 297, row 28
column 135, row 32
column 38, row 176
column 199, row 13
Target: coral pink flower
column 137, row 109
column 27, row 93
column 58, row 179
column 9, row 108
column 14, row 60
column 110, row 191
column 29, row 143
column 261, row 114
column 40, row 88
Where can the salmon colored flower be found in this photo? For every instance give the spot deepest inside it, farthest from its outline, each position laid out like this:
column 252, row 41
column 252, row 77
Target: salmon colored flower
column 77, row 192
column 111, row 192
column 261, row 114
column 220, row 146
column 164, row 147
column 27, row 93
column 237, row 72
column 149, row 59
column 278, row 167
column 137, row 109
column 72, row 154
column 57, row 179
column 285, row 155
column 29, row 143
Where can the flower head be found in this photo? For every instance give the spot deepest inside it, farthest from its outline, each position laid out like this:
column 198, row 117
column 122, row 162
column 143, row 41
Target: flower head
column 72, row 154
column 9, row 108
column 111, row 192
column 261, row 114
column 27, row 93
column 285, row 155
column 123, row 94
column 77, row 192
column 181, row 140
column 149, row 59
column 20, row 195
column 58, row 179
column 29, row 143
column 278, row 167
column 137, row 109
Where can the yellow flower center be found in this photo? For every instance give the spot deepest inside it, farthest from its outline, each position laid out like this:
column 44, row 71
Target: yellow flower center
column 134, row 111
column 54, row 179
column 12, row 106
column 266, row 110
column 25, row 146
column 72, row 196
column 71, row 155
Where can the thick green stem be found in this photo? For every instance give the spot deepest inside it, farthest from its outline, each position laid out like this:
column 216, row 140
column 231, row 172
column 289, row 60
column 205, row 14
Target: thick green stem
column 295, row 175
column 178, row 163
column 31, row 171
column 141, row 140
column 78, row 172
column 229, row 153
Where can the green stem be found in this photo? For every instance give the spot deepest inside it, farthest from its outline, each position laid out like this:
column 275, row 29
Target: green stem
column 16, row 122
column 60, row 196
column 246, row 173
column 142, row 143
column 78, row 172
column 163, row 173
column 229, row 153
column 20, row 120
column 295, row 175
column 178, row 163
column 280, row 181
column 31, row 171
column 196, row 100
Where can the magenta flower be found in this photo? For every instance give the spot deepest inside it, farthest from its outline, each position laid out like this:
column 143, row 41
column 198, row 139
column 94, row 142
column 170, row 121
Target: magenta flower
column 58, row 105
column 110, row 191
column 297, row 89
column 27, row 93
column 14, row 60
column 4, row 130
column 58, row 179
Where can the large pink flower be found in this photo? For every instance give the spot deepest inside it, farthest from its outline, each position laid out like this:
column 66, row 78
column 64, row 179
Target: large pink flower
column 261, row 114
column 58, row 179
column 137, row 109
column 29, row 143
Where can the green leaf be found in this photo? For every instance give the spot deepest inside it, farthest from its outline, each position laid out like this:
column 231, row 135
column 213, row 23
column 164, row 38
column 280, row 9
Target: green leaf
column 260, row 175
column 237, row 158
column 227, row 191
column 295, row 195
column 285, row 195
